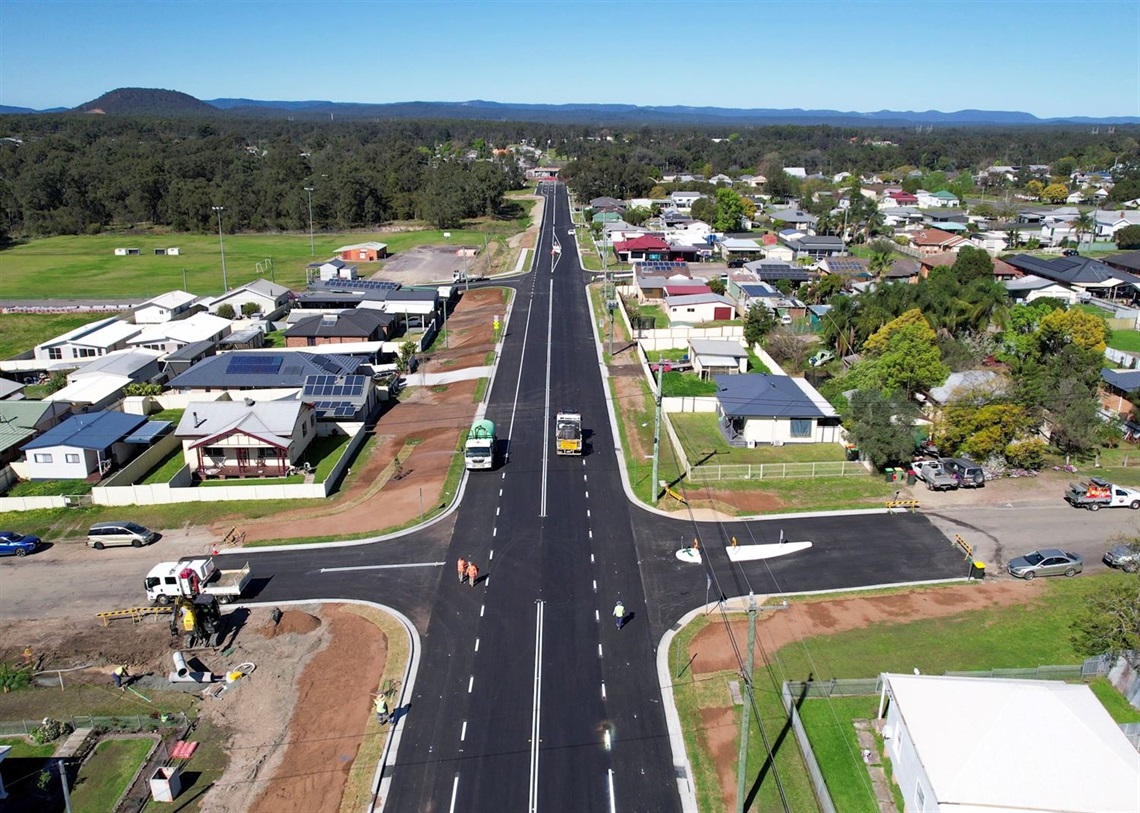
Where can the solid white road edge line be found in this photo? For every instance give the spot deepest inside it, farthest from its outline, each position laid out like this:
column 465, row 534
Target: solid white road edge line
column 378, row 567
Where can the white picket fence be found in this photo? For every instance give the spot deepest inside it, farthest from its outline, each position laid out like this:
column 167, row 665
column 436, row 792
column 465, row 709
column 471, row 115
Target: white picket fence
column 777, row 471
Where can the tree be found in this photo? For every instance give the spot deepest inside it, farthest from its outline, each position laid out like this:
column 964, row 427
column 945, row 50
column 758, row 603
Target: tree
column 904, row 355
column 404, row 358
column 1077, row 426
column 973, row 263
column 636, row 215
column 1110, row 619
column 881, row 425
column 1083, row 224
column 1035, row 188
column 703, row 209
column 1060, row 328
column 981, row 428
column 729, row 211
column 225, row 311
column 1055, row 193
column 758, row 323
column 250, row 308
column 716, row 286
column 882, row 257
column 1128, row 237
column 142, row 388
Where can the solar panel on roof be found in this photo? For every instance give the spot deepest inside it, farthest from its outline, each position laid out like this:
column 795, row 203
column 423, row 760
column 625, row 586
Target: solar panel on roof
column 254, row 365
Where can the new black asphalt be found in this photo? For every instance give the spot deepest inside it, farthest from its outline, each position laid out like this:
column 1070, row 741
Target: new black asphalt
column 557, row 545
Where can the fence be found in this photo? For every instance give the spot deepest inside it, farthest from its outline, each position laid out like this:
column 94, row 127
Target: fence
column 128, row 722
column 822, row 795
column 777, row 471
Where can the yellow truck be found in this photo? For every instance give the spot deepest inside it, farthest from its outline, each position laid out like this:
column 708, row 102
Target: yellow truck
column 568, row 433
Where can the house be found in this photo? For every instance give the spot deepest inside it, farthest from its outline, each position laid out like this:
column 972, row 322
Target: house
column 771, row 270
column 904, row 270
column 337, row 294
column 816, row 315
column 794, row 218
column 762, row 409
column 350, row 398
column 1109, row 223
column 334, row 269
column 717, row 357
column 170, row 336
column 796, row 172
column 11, row 390
column 607, row 204
column 720, row 179
column 1087, row 276
column 684, row 200
column 253, row 370
column 164, row 308
column 1028, row 288
column 270, row 299
column 1128, row 261
column 87, row 342
column 894, row 198
column 643, row 248
column 92, row 443
column 967, row 744
column 991, row 242
column 934, row 200
column 357, row 325
column 687, row 288
column 733, row 247
column 695, row 308
column 1117, row 387
column 20, row 421
column 100, row 383
column 815, row 247
column 368, row 252
column 936, row 241
column 848, row 267
column 245, row 438
column 410, row 304
column 185, row 357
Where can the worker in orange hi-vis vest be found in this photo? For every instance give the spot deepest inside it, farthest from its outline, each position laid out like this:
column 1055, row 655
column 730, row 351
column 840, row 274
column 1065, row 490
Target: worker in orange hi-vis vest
column 472, row 573
column 462, row 568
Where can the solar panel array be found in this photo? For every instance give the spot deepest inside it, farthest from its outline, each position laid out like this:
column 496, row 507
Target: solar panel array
column 330, row 386
column 359, row 285
column 259, row 364
column 662, row 266
column 336, row 409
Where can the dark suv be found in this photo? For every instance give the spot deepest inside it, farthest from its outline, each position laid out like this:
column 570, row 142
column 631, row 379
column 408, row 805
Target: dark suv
column 969, row 473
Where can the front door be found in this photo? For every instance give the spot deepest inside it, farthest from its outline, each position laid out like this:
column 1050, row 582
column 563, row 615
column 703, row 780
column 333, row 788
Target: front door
column 243, row 459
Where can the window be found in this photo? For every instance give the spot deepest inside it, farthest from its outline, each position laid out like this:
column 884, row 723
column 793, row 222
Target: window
column 41, row 457
column 264, row 453
column 801, row 427
column 71, row 458
column 215, row 451
column 83, row 352
column 55, row 353
column 304, row 430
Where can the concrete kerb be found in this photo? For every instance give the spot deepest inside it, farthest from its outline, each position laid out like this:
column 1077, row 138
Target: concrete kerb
column 380, row 783
column 736, row 604
column 480, row 411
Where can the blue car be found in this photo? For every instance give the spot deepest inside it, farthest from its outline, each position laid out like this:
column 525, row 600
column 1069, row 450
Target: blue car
column 12, row 543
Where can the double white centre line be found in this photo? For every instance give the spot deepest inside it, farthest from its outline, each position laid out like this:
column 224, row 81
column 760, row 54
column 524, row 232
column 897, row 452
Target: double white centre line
column 532, row 803
column 546, row 411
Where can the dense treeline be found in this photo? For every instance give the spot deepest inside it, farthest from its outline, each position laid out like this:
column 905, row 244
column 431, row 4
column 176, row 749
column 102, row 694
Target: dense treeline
column 71, row 173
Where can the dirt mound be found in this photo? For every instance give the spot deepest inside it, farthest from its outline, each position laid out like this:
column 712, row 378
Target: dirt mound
column 291, row 621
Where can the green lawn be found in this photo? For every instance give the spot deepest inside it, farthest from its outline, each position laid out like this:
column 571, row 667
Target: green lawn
column 86, row 266
column 165, row 469
column 106, row 773
column 806, row 494
column 323, row 454
column 22, row 749
column 832, row 735
column 699, row 434
column 23, row 331
column 660, row 320
column 49, row 488
column 673, row 354
column 1125, row 340
column 675, row 383
column 636, row 417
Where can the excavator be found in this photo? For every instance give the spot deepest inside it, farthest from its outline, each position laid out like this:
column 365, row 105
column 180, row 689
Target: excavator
column 199, row 621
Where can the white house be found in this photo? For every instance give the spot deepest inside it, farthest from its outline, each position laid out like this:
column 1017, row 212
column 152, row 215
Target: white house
column 165, row 307
column 83, row 444
column 245, row 438
column 773, row 410
column 99, row 384
column 90, row 341
column 717, row 357
column 685, row 200
column 694, row 308
column 936, row 200
column 1109, row 223
column 734, row 246
column 983, row 745
column 170, row 336
column 270, row 298
column 796, row 172
column 335, row 269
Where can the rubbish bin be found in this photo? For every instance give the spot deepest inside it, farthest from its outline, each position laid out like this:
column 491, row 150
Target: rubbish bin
column 977, row 569
column 911, row 477
column 852, row 452
column 889, row 473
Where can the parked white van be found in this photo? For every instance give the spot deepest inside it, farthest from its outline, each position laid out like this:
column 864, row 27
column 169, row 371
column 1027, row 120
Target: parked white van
column 109, row 534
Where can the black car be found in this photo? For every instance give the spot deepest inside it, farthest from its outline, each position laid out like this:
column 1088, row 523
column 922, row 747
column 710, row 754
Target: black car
column 1071, row 252
column 737, row 263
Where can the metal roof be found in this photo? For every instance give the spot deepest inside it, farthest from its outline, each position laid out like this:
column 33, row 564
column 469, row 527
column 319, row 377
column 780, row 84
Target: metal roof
column 95, row 430
column 758, row 395
column 281, row 369
column 1124, row 380
column 1073, row 270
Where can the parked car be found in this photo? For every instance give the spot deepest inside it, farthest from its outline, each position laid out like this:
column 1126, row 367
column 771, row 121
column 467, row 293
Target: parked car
column 969, row 473
column 1126, row 557
column 821, row 358
column 17, row 544
column 736, row 263
column 1046, row 562
column 109, row 534
column 1070, row 252
column 934, row 475
column 665, row 366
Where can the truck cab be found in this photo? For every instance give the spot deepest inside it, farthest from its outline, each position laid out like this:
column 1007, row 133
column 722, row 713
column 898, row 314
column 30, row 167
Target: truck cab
column 568, row 433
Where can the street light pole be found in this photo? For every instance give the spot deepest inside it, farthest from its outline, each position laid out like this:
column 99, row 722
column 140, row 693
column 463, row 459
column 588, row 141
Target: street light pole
column 222, row 246
column 312, row 246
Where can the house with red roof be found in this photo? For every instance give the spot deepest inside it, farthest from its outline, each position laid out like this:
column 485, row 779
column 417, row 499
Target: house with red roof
column 645, row 247
column 936, row 241
column 897, row 197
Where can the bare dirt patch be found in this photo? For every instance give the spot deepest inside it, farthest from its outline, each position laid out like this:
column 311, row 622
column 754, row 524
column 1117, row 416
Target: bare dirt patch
column 292, row 621
column 719, row 731
column 713, row 651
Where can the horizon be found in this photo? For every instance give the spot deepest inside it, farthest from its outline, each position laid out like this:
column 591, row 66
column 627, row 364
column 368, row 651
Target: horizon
column 813, row 55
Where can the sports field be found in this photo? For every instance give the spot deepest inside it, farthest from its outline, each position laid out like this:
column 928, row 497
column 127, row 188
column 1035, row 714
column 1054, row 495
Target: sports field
column 86, row 266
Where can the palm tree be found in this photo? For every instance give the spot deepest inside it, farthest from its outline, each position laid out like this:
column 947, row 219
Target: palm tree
column 881, row 259
column 1083, row 224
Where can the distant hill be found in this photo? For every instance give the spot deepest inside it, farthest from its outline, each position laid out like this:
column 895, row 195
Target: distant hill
column 146, row 102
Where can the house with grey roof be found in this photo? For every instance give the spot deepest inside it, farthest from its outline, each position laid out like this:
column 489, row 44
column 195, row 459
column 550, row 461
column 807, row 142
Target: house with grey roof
column 356, row 325
column 90, row 444
column 691, row 309
column 712, row 357
column 253, row 370
column 87, row 342
column 245, row 438
column 171, row 335
column 1082, row 274
column 165, row 307
column 813, row 246
column 100, row 383
column 762, row 409
column 795, row 218
column 270, row 299
column 20, row 421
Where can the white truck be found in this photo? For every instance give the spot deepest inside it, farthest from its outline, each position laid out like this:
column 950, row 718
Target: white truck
column 568, row 433
column 479, row 448
column 192, row 577
column 934, row 475
column 467, row 276
column 1097, row 494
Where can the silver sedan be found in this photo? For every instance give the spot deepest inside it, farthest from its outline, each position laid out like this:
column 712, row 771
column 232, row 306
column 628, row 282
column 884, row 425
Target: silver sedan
column 1048, row 562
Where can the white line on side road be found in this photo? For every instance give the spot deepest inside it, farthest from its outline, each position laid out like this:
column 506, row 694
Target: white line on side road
column 532, row 804
column 454, row 793
column 470, row 683
column 613, row 800
column 463, row 732
column 378, row 567
column 476, row 644
column 603, row 690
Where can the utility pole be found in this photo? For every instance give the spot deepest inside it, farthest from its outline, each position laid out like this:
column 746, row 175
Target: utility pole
column 746, row 680
column 66, row 791
column 657, row 434
column 222, row 248
column 312, row 245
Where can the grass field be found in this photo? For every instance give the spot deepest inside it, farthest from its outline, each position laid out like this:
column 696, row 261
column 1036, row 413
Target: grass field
column 86, row 266
column 675, row 383
column 105, row 774
column 23, row 331
column 1015, row 636
column 1125, row 340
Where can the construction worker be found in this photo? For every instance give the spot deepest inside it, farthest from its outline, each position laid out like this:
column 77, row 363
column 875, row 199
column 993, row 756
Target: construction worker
column 381, row 706
column 472, row 573
column 462, row 567
column 119, row 677
column 619, row 614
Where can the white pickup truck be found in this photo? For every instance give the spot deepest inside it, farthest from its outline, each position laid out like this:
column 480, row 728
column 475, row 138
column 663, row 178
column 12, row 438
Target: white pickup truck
column 934, row 475
column 191, row 577
column 1097, row 494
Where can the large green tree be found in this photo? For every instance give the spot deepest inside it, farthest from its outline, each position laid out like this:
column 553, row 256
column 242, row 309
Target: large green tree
column 903, row 355
column 758, row 323
column 729, row 211
column 1110, row 619
column 881, row 425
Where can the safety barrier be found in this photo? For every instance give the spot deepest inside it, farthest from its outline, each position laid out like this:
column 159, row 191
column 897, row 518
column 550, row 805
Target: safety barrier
column 136, row 614
column 911, row 504
column 966, row 547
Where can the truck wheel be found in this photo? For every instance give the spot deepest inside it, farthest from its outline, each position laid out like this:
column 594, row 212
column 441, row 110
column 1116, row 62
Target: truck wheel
column 1094, row 506
column 162, row 600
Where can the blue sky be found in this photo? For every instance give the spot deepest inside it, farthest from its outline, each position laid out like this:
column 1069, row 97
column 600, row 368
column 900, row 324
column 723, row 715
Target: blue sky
column 1077, row 57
